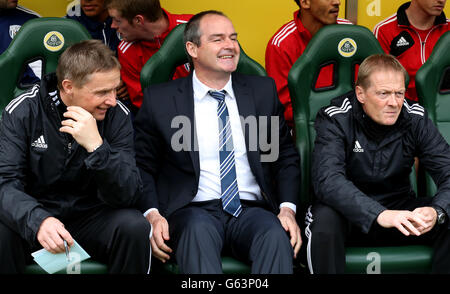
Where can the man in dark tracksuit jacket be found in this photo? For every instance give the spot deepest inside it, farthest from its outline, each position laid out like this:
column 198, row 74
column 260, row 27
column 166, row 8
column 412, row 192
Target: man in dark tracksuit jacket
column 362, row 158
column 67, row 170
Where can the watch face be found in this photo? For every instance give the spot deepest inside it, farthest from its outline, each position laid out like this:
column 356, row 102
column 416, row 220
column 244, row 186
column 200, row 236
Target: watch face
column 441, row 218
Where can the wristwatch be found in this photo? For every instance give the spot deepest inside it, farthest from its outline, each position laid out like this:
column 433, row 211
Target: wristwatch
column 441, row 215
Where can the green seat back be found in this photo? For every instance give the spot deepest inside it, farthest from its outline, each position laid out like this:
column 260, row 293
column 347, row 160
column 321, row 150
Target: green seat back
column 161, row 66
column 42, row 38
column 344, row 46
column 429, row 79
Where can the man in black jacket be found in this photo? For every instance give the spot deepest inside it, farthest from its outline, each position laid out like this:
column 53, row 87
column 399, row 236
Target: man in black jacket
column 227, row 193
column 364, row 150
column 67, row 167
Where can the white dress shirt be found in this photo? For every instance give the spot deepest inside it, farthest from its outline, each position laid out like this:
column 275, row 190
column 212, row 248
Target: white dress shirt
column 207, row 131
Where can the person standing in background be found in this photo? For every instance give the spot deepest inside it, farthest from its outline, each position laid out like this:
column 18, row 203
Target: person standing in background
column 411, row 34
column 289, row 42
column 143, row 25
column 12, row 17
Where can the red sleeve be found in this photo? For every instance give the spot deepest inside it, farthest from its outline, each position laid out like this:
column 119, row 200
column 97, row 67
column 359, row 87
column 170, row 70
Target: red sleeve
column 384, row 40
column 130, row 74
column 278, row 65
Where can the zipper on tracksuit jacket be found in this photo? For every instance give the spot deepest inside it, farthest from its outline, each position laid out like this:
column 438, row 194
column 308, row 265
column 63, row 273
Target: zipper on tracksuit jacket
column 67, row 142
column 422, row 43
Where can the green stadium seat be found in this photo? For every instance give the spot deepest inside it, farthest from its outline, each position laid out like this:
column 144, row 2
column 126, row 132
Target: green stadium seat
column 160, row 68
column 434, row 93
column 85, row 267
column 38, row 39
column 345, row 46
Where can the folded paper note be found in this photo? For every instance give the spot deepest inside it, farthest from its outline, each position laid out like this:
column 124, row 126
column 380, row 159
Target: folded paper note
column 53, row 263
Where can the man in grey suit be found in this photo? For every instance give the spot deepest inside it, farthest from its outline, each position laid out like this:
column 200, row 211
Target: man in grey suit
column 217, row 188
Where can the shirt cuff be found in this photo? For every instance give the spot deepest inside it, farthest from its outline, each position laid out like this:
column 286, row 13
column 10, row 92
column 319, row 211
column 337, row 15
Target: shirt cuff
column 289, row 205
column 149, row 210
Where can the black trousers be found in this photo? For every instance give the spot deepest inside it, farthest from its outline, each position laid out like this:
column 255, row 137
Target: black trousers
column 117, row 237
column 328, row 232
column 201, row 232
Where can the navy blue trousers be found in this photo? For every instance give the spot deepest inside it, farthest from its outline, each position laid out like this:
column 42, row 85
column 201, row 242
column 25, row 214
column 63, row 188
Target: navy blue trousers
column 201, row 232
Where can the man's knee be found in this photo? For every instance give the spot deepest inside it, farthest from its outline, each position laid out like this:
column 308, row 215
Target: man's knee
column 200, row 228
column 132, row 225
column 274, row 236
column 325, row 220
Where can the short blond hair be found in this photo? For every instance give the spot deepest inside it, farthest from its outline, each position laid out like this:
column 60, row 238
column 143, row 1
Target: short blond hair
column 82, row 59
column 378, row 62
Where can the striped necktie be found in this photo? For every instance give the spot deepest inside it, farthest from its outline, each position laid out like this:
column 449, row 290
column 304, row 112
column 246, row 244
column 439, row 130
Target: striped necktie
column 228, row 180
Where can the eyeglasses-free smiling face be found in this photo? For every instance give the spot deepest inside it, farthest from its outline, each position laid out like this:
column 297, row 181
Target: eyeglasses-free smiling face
column 97, row 95
column 382, row 101
column 218, row 52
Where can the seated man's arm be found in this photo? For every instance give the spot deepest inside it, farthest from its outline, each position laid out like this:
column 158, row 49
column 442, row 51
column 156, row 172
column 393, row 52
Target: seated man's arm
column 331, row 185
column 18, row 210
column 149, row 154
column 434, row 155
column 111, row 157
column 286, row 170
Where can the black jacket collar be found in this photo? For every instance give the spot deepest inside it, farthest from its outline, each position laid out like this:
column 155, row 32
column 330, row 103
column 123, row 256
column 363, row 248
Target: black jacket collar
column 403, row 122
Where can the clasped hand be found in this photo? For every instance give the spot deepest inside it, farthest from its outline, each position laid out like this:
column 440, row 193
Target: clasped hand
column 417, row 222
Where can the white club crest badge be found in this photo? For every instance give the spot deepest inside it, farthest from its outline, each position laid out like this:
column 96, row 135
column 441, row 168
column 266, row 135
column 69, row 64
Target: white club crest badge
column 13, row 29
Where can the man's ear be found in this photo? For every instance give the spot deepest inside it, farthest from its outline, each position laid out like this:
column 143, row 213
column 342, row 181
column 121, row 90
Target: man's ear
column 305, row 4
column 191, row 49
column 360, row 95
column 67, row 86
column 138, row 19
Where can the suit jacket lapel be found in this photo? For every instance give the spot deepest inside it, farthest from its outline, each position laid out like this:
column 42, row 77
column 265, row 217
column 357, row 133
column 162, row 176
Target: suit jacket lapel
column 184, row 103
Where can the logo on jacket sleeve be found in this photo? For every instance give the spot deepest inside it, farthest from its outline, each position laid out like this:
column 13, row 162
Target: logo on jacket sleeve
column 358, row 147
column 40, row 143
